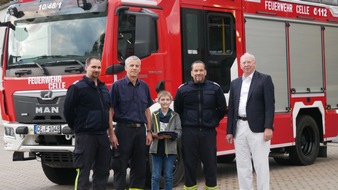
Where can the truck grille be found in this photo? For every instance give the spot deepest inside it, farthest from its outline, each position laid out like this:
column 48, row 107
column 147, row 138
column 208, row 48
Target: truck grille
column 39, row 106
column 58, row 159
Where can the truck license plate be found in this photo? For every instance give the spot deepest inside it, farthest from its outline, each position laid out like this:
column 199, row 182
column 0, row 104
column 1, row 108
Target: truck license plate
column 47, row 129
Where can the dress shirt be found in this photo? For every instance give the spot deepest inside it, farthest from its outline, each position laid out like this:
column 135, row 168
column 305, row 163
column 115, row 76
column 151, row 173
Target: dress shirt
column 244, row 94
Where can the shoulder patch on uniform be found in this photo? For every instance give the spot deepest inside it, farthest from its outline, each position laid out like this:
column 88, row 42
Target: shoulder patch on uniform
column 183, row 84
column 215, row 83
column 75, row 81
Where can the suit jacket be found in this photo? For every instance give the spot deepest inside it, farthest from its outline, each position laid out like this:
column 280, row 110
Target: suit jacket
column 260, row 106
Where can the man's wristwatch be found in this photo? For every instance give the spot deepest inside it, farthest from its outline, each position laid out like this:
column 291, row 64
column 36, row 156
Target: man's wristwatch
column 149, row 131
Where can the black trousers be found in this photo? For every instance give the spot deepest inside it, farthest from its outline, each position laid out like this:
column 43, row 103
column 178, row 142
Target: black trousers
column 133, row 151
column 199, row 144
column 92, row 152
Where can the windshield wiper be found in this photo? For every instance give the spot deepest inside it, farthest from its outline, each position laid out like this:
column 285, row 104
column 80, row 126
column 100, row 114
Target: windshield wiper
column 38, row 58
column 79, row 62
column 44, row 70
column 72, row 69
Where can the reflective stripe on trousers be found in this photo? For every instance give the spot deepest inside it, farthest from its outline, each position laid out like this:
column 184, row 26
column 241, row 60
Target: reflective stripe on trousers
column 190, row 188
column 195, row 188
column 77, row 178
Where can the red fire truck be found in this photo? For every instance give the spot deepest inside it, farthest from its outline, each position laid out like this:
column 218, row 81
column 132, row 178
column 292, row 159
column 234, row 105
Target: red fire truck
column 47, row 41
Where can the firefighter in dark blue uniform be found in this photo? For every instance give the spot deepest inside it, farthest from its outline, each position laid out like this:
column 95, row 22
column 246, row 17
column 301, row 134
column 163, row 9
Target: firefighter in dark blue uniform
column 201, row 105
column 87, row 112
column 130, row 102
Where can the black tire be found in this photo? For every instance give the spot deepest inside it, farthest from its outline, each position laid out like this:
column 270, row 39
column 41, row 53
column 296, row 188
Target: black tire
column 226, row 159
column 305, row 152
column 178, row 168
column 61, row 176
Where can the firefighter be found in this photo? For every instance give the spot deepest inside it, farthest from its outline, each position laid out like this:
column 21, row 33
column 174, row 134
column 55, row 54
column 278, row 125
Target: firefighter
column 201, row 105
column 87, row 112
column 131, row 103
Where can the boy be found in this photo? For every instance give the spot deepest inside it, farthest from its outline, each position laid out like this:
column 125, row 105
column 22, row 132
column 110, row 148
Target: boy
column 166, row 127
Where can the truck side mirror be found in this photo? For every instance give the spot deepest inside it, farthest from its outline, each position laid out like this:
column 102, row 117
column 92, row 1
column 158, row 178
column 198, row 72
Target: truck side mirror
column 145, row 37
column 115, row 68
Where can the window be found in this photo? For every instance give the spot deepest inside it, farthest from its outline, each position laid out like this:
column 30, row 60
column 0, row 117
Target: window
column 126, row 36
column 210, row 37
column 219, row 31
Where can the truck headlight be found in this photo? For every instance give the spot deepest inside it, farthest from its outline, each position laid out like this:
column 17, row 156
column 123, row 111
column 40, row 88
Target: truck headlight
column 9, row 131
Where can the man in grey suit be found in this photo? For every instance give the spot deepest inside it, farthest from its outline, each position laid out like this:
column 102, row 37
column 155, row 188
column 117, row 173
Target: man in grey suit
column 250, row 123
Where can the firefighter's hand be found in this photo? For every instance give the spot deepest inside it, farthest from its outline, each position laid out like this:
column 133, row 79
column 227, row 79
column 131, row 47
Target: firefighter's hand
column 149, row 139
column 229, row 138
column 113, row 140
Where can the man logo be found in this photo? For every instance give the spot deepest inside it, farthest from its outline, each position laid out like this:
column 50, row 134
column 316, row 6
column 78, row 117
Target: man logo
column 46, row 94
column 45, row 110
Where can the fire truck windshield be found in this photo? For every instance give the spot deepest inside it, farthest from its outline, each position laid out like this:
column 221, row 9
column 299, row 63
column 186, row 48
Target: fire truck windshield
column 53, row 39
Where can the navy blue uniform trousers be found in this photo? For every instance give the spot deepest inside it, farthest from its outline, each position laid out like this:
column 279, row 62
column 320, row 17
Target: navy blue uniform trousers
column 133, row 150
column 199, row 144
column 92, row 152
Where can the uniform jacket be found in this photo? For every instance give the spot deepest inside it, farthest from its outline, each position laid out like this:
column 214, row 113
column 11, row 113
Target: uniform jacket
column 86, row 107
column 260, row 106
column 170, row 145
column 200, row 105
